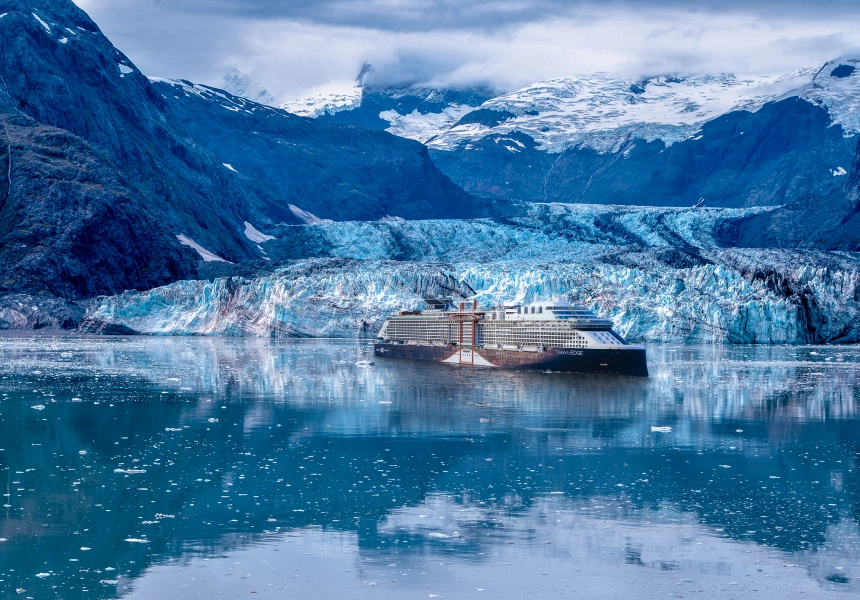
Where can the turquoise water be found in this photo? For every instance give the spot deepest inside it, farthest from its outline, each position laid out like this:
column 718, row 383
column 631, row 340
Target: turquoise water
column 220, row 468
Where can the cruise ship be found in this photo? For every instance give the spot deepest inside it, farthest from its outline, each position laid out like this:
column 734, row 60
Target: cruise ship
column 554, row 336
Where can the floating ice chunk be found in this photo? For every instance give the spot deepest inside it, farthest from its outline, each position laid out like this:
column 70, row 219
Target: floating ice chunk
column 439, row 536
column 213, row 420
column 109, row 582
column 63, row 40
column 229, row 166
column 253, row 234
column 203, row 252
column 130, row 471
column 364, row 363
column 42, row 575
column 137, row 540
column 308, row 217
column 3, row 540
column 82, row 452
column 3, row 15
column 38, row 407
column 839, row 171
column 661, row 429
column 85, row 549
column 45, row 25
column 726, row 466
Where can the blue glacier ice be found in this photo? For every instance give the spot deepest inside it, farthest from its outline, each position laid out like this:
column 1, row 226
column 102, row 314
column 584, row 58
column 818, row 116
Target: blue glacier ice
column 656, row 272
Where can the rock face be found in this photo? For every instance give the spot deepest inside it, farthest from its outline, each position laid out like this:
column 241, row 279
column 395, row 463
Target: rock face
column 831, row 221
column 106, row 185
column 331, row 171
column 785, row 151
column 71, row 224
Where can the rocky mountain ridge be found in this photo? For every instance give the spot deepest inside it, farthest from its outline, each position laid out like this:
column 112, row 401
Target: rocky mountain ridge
column 109, row 185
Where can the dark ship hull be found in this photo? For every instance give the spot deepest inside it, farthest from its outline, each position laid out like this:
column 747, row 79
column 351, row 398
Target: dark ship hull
column 620, row 361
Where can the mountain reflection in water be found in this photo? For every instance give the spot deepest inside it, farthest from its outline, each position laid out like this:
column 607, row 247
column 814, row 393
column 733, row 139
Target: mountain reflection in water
column 138, row 466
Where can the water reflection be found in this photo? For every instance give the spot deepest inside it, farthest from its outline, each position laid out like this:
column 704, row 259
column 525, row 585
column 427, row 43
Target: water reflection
column 131, row 465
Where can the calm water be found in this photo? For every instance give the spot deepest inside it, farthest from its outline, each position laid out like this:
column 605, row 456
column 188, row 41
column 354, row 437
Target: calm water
column 221, row 468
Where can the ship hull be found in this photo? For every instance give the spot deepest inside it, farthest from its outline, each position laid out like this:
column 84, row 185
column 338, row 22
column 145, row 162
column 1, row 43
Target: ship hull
column 621, row 361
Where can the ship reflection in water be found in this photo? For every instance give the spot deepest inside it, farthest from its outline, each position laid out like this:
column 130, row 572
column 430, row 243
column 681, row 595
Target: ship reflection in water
column 188, row 467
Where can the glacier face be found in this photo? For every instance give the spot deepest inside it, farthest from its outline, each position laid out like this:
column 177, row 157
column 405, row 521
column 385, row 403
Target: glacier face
column 655, row 272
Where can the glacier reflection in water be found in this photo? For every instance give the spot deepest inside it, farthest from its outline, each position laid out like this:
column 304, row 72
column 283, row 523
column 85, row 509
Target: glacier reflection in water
column 168, row 467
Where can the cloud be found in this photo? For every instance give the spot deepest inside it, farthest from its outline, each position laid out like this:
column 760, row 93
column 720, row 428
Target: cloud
column 290, row 47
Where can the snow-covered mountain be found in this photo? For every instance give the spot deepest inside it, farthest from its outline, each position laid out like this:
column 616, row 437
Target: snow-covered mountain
column 710, row 140
column 602, row 112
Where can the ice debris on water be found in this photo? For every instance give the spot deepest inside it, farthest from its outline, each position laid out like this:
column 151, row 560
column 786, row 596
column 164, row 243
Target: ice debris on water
column 439, row 536
column 38, row 407
column 109, row 582
column 42, row 575
column 364, row 363
column 82, row 452
column 137, row 540
column 130, row 471
column 661, row 429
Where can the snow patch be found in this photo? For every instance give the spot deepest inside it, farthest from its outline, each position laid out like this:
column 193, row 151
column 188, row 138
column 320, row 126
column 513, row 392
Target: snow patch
column 45, row 25
column 424, row 127
column 838, row 171
column 124, row 69
column 203, row 252
column 253, row 234
column 63, row 40
column 229, row 166
column 308, row 217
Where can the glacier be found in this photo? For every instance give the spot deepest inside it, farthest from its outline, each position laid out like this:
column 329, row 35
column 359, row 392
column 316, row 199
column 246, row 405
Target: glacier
column 657, row 273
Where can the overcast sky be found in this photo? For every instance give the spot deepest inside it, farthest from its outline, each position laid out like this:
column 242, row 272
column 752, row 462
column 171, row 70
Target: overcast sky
column 296, row 47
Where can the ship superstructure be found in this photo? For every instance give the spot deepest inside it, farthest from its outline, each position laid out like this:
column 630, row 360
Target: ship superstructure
column 543, row 334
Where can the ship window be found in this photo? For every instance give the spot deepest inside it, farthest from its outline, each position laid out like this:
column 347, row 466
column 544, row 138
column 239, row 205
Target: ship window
column 540, row 309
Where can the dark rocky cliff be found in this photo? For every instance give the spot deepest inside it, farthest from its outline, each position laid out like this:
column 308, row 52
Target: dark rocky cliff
column 99, row 171
column 783, row 152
